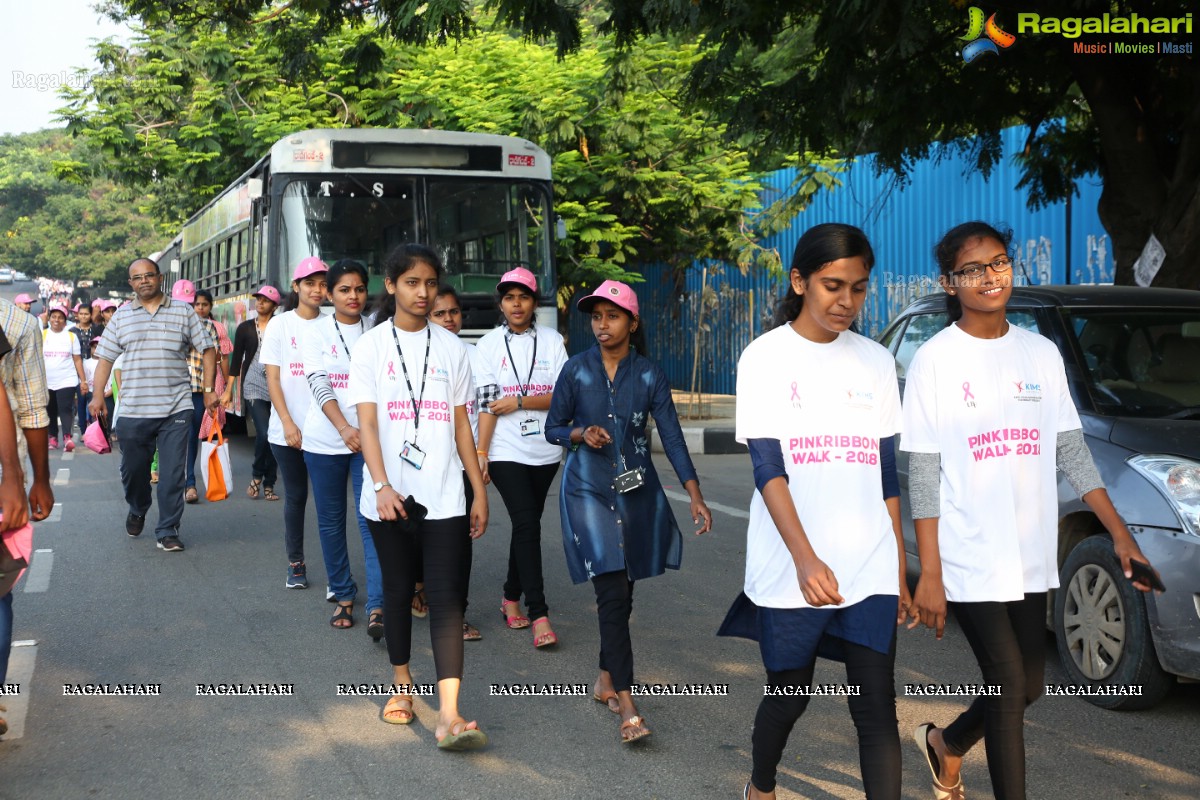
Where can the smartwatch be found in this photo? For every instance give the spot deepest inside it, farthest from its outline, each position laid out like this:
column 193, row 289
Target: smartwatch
column 379, row 486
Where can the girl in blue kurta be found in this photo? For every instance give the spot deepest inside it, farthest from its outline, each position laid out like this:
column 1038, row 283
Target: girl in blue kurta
column 617, row 526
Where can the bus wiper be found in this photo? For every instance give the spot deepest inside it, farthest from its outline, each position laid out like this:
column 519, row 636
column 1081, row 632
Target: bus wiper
column 1184, row 413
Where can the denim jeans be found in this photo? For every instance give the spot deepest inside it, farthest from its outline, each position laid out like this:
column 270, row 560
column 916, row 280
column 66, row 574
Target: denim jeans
column 295, row 498
column 329, row 473
column 198, row 412
column 6, row 619
column 84, row 416
column 264, row 466
column 138, row 438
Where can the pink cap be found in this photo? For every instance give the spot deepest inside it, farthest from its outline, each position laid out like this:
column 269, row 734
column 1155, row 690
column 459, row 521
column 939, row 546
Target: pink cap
column 615, row 292
column 183, row 290
column 308, row 266
column 23, row 298
column 270, row 292
column 77, row 307
column 521, row 277
column 60, row 309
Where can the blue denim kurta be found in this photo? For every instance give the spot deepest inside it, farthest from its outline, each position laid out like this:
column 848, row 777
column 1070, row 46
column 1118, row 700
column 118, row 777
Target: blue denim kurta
column 604, row 531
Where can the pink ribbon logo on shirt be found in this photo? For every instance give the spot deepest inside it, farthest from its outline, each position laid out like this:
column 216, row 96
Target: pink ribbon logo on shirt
column 293, row 342
column 795, row 391
column 333, row 349
column 967, row 391
column 391, row 369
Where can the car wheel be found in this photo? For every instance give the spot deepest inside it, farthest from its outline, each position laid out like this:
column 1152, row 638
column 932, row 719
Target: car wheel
column 1102, row 630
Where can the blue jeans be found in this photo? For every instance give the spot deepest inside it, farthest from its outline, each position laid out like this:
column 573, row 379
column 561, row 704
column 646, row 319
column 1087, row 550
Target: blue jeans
column 328, row 473
column 294, row 472
column 264, row 466
column 6, row 618
column 139, row 437
column 198, row 412
column 84, row 416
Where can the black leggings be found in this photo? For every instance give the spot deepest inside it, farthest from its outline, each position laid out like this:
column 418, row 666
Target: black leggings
column 62, row 411
column 523, row 489
column 441, row 545
column 614, row 604
column 1009, row 641
column 873, row 712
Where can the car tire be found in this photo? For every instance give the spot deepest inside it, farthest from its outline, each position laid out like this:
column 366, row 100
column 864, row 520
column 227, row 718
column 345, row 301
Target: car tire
column 1102, row 630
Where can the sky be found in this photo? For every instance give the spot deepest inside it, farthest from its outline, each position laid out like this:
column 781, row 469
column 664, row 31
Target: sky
column 41, row 42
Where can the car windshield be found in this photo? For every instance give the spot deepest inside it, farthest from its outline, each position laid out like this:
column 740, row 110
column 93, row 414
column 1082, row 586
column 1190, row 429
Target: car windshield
column 1141, row 362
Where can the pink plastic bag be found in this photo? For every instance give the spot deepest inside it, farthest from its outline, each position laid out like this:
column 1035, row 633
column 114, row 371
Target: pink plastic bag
column 96, row 437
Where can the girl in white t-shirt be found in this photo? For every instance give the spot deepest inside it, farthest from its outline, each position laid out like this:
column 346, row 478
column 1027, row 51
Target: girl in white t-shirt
column 64, row 376
column 519, row 364
column 332, row 450
column 290, row 397
column 818, row 406
column 988, row 420
column 411, row 382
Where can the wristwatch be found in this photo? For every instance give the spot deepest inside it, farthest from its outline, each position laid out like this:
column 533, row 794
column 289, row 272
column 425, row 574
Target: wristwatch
column 379, row 486
column 520, row 401
column 209, row 389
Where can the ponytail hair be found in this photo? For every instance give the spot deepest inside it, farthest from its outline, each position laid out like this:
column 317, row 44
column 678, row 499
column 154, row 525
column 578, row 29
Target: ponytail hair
column 946, row 251
column 292, row 300
column 821, row 245
column 398, row 262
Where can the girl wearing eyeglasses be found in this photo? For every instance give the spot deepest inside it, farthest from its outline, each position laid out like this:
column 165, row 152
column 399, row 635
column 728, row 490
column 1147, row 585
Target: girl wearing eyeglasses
column 988, row 420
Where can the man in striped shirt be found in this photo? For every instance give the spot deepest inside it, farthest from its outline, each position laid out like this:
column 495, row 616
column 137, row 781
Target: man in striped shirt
column 23, row 372
column 155, row 333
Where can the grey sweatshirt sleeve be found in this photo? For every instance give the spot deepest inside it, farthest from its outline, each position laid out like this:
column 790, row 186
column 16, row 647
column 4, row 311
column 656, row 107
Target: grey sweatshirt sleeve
column 1074, row 460
column 925, row 485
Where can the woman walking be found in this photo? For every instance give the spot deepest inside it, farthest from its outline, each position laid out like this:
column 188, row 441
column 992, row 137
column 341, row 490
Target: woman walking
column 617, row 525
column 518, row 365
column 411, row 381
column 819, row 407
column 987, row 519
column 290, row 398
column 64, row 376
column 250, row 376
column 332, row 444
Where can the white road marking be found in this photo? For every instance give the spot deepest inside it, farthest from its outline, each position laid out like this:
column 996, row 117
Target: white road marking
column 62, row 476
column 20, row 672
column 37, row 579
column 55, row 513
column 740, row 513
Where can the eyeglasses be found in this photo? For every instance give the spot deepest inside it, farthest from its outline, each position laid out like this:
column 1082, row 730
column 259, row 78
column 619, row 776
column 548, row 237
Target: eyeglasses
column 145, row 276
column 975, row 271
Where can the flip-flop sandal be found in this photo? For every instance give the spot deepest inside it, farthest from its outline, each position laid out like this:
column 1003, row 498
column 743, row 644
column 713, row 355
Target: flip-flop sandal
column 470, row 632
column 403, row 720
column 343, row 613
column 634, row 724
column 466, row 739
column 375, row 625
column 606, row 701
column 420, row 611
column 940, row 792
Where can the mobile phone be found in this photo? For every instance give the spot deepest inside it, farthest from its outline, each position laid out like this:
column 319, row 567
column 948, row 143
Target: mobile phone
column 1143, row 574
column 414, row 510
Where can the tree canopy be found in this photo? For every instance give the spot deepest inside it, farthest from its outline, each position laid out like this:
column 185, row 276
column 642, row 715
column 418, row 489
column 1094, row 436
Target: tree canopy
column 864, row 76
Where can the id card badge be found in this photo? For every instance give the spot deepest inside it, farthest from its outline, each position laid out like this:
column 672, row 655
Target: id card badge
column 531, row 427
column 413, row 455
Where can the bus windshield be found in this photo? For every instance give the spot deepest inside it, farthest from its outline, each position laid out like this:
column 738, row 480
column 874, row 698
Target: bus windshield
column 481, row 228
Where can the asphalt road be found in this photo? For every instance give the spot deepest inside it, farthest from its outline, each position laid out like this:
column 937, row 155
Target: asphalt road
column 100, row 607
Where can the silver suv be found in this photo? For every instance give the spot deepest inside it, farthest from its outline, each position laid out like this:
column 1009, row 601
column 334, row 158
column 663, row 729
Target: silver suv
column 1133, row 362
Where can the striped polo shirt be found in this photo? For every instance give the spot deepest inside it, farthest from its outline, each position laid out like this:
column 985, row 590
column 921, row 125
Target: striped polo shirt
column 154, row 374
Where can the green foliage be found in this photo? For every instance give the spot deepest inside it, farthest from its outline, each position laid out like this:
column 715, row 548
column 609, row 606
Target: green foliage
column 60, row 228
column 639, row 176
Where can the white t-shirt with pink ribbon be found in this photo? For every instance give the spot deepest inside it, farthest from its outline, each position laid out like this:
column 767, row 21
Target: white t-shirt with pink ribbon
column 326, row 348
column 57, row 351
column 283, row 347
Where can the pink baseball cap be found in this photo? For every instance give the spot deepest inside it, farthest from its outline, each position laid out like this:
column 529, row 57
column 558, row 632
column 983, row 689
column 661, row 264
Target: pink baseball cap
column 60, row 309
column 23, row 298
column 309, row 266
column 77, row 307
column 615, row 292
column 184, row 290
column 270, row 292
column 519, row 277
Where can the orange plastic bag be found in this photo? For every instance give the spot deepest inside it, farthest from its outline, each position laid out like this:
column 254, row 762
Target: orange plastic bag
column 214, row 466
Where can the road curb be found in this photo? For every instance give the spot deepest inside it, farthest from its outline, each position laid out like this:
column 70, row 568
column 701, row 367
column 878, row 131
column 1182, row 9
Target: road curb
column 710, row 441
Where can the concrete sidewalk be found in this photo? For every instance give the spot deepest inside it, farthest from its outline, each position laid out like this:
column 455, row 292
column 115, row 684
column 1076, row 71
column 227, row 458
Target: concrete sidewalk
column 707, row 422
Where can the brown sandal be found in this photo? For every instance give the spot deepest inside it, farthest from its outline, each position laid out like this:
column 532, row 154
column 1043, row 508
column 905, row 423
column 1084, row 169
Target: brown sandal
column 269, row 493
column 253, row 489
column 636, row 726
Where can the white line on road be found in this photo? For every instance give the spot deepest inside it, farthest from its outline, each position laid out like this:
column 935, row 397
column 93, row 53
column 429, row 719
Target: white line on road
column 740, row 513
column 55, row 513
column 62, row 476
column 38, row 577
column 20, row 672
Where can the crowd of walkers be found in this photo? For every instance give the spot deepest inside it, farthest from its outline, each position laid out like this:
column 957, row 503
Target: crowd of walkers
column 383, row 397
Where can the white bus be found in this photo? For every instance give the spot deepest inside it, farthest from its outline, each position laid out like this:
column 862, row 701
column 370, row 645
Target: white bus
column 482, row 201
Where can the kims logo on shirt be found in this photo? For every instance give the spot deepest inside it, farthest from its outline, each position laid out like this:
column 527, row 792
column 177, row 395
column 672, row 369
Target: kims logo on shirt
column 1028, row 392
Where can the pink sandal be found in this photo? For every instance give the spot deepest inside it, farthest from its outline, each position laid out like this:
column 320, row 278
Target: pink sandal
column 514, row 621
column 544, row 639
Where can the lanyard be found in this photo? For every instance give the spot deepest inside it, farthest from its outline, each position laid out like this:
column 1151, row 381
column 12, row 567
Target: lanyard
column 416, row 401
column 617, row 441
column 529, row 378
column 362, row 327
